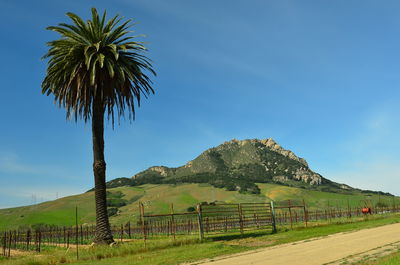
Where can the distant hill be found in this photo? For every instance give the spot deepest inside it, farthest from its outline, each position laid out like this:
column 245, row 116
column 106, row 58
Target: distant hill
column 123, row 202
column 238, row 165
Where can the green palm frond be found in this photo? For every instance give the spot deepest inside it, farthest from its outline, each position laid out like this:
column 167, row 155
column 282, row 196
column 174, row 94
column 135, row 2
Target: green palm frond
column 97, row 60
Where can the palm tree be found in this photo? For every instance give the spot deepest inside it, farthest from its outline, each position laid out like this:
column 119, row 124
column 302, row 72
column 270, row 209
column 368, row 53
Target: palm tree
column 94, row 69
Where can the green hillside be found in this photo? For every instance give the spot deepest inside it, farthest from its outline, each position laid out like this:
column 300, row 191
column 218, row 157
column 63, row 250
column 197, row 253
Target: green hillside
column 237, row 165
column 157, row 199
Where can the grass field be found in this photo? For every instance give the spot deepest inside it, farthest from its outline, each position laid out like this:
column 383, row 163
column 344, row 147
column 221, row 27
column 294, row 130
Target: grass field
column 185, row 249
column 392, row 259
column 157, row 199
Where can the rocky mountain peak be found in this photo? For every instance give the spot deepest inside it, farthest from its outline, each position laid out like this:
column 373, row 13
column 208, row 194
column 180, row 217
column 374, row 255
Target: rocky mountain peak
column 240, row 165
column 272, row 145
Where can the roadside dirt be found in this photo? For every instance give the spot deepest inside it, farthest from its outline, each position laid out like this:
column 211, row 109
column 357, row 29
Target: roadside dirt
column 17, row 252
column 341, row 248
column 71, row 247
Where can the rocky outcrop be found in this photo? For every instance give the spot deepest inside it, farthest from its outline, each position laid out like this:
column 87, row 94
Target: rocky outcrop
column 281, row 179
column 273, row 146
column 270, row 143
column 307, row 176
column 163, row 171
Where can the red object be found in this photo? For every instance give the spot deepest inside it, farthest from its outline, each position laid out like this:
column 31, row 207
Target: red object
column 366, row 210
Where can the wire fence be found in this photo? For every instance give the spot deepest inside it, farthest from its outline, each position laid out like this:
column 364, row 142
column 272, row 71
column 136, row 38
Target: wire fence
column 207, row 219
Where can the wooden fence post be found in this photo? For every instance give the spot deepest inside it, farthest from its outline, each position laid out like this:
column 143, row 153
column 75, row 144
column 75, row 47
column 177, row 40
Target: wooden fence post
column 290, row 214
column 240, row 218
column 15, row 238
column 76, row 232
column 305, row 212
column 4, row 244
column 173, row 225
column 200, row 221
column 348, row 209
column 64, row 235
column 67, row 238
column 40, row 240
column 329, row 212
column 129, row 229
column 9, row 244
column 273, row 217
column 28, row 237
column 36, row 239
column 122, row 231
column 141, row 208
column 392, row 205
column 81, row 234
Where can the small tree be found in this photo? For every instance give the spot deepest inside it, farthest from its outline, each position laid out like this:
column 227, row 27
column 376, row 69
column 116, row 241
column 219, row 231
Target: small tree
column 94, row 69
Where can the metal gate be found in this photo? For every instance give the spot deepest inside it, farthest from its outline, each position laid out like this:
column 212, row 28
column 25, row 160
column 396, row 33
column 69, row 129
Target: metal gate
column 224, row 217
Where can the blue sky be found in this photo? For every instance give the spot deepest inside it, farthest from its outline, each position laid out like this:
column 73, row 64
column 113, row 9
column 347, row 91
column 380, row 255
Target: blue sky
column 320, row 77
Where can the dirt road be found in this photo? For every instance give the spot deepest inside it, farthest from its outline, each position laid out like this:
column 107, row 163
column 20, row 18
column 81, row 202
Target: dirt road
column 333, row 249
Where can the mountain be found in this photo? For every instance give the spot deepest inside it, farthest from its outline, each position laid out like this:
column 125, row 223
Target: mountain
column 239, row 165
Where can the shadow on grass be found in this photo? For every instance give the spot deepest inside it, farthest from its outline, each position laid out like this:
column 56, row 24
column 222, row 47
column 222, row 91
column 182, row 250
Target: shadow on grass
column 237, row 235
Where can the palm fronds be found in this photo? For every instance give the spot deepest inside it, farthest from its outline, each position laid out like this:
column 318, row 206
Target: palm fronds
column 97, row 60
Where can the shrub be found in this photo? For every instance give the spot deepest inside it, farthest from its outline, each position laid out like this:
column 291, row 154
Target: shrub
column 116, row 202
column 191, row 209
column 112, row 211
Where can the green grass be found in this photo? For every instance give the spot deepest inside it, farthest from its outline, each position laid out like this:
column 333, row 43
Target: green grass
column 158, row 198
column 319, row 199
column 392, row 259
column 187, row 198
column 186, row 249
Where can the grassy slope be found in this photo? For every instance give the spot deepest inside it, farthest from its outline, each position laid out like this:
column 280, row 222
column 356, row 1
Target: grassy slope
column 319, row 199
column 57, row 212
column 157, row 199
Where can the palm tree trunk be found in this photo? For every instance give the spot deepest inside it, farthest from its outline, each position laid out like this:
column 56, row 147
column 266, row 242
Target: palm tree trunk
column 103, row 232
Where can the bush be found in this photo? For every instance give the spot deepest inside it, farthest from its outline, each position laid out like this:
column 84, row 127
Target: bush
column 115, row 202
column 148, row 178
column 114, row 199
column 191, row 209
column 112, row 211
